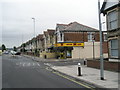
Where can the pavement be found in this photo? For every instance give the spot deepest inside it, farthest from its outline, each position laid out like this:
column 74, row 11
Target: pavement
column 89, row 75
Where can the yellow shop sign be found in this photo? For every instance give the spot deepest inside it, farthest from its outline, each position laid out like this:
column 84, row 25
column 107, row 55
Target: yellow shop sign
column 69, row 44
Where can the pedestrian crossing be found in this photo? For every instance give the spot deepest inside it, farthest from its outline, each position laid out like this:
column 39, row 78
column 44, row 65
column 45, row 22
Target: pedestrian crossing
column 27, row 64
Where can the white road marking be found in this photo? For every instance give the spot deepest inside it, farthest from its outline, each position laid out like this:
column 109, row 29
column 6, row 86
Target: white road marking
column 33, row 64
column 28, row 64
column 38, row 64
column 23, row 64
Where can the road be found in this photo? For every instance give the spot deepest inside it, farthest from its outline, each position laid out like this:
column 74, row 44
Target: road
column 23, row 72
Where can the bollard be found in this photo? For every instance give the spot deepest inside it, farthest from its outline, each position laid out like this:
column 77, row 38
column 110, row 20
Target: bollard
column 85, row 61
column 79, row 69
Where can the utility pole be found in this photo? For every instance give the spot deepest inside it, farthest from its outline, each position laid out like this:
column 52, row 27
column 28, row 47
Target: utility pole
column 101, row 48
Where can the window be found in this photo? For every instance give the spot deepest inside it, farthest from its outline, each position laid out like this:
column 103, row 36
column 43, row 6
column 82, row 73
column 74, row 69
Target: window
column 112, row 20
column 61, row 36
column 90, row 36
column 105, row 36
column 114, row 48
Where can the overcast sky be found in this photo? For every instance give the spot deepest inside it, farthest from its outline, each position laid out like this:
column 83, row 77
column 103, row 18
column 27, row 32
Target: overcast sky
column 16, row 17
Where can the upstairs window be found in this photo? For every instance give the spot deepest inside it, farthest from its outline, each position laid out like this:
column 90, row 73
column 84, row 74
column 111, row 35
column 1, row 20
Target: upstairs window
column 112, row 20
column 105, row 37
column 90, row 36
column 61, row 36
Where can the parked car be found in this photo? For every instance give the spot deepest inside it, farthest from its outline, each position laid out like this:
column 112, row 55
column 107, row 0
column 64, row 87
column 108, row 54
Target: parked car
column 18, row 53
column 13, row 52
column 5, row 52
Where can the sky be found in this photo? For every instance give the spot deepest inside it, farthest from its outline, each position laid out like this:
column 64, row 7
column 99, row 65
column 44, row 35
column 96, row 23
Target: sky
column 16, row 24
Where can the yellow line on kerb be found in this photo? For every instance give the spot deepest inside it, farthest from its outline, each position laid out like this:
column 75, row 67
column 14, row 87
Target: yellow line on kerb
column 73, row 80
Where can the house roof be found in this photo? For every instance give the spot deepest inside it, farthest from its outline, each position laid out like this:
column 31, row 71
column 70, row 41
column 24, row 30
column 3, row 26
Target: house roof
column 109, row 4
column 50, row 31
column 75, row 26
column 45, row 33
column 62, row 26
column 40, row 36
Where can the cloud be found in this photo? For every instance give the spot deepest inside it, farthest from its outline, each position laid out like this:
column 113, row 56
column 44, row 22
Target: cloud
column 17, row 14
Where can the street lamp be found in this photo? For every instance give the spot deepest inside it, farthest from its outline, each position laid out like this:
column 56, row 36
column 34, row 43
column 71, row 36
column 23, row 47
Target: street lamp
column 101, row 48
column 34, row 25
column 34, row 32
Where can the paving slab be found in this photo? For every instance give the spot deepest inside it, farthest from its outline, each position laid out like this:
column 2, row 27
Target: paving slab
column 91, row 75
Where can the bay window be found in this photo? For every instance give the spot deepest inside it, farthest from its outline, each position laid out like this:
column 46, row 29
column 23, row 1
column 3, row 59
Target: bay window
column 114, row 48
column 112, row 20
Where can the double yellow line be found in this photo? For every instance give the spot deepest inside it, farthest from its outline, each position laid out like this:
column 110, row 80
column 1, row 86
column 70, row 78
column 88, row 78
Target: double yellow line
column 57, row 73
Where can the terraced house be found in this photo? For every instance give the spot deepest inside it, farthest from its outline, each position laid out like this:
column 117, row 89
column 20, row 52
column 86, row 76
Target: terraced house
column 49, row 41
column 73, row 40
column 111, row 9
column 76, row 40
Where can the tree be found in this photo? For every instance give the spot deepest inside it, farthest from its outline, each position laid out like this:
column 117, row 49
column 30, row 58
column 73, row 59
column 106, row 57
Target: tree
column 14, row 48
column 3, row 47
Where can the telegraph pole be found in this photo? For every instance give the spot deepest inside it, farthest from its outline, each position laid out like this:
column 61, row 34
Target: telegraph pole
column 101, row 48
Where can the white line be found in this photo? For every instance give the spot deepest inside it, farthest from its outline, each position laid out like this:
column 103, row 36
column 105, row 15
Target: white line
column 28, row 64
column 38, row 64
column 23, row 64
column 33, row 64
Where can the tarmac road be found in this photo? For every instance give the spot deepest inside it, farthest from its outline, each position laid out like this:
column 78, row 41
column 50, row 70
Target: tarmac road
column 22, row 72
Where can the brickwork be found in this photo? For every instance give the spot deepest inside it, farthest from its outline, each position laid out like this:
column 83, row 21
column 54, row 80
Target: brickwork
column 97, row 37
column 73, row 36
column 79, row 36
column 105, row 47
column 112, row 66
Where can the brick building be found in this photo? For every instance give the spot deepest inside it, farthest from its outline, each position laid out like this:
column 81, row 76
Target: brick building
column 112, row 12
column 74, row 33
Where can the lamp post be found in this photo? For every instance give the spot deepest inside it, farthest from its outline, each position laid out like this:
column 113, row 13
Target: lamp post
column 101, row 48
column 34, row 31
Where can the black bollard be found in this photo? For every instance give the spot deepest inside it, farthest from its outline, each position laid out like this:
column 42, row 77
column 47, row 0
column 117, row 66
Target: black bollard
column 79, row 69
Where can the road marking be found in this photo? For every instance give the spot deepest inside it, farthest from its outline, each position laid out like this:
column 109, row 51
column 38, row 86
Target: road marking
column 28, row 64
column 70, row 79
column 33, row 63
column 23, row 64
column 38, row 64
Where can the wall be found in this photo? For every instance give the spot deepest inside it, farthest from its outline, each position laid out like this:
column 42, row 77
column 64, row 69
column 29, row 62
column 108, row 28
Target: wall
column 112, row 66
column 48, row 55
column 87, row 51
